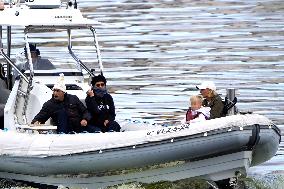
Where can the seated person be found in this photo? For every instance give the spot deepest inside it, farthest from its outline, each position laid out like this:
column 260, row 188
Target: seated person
column 2, row 106
column 66, row 110
column 4, row 95
column 211, row 99
column 101, row 106
column 38, row 62
column 3, row 79
column 196, row 112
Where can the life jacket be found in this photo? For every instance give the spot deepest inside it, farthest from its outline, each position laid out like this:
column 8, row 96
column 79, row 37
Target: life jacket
column 190, row 116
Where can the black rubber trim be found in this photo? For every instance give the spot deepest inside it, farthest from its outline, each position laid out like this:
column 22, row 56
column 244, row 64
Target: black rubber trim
column 254, row 139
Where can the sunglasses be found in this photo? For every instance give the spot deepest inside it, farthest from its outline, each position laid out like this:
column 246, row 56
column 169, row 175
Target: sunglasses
column 100, row 85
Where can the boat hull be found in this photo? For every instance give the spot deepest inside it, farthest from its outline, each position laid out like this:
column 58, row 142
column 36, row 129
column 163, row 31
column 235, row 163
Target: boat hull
column 212, row 150
column 187, row 148
column 215, row 168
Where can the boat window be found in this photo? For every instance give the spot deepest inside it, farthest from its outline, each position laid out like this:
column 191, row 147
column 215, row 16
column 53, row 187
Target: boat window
column 48, row 59
column 52, row 46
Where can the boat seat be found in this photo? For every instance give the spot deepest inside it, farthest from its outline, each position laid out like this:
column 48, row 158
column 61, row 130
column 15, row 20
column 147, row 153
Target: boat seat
column 38, row 96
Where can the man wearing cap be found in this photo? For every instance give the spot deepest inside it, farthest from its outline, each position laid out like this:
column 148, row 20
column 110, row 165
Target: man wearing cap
column 101, row 106
column 211, row 99
column 66, row 110
column 38, row 62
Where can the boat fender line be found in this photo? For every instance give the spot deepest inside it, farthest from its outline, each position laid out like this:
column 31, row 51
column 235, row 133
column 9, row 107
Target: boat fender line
column 277, row 130
column 254, row 138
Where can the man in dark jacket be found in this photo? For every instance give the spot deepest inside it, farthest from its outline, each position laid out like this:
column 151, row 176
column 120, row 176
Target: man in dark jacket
column 66, row 110
column 38, row 62
column 101, row 106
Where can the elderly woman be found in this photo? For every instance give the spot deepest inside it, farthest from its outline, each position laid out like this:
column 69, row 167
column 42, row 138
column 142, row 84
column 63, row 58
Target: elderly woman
column 211, row 99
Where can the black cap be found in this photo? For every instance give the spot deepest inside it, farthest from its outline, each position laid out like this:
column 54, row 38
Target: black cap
column 98, row 78
column 33, row 49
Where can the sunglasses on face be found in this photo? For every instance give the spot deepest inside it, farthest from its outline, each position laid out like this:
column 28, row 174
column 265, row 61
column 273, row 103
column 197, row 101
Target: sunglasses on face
column 100, row 85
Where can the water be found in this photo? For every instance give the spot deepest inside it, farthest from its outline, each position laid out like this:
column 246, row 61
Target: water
column 155, row 53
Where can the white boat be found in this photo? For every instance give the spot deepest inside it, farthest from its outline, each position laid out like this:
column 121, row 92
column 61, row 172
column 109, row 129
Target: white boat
column 213, row 150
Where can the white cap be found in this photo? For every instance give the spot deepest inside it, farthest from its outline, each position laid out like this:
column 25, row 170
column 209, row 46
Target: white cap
column 60, row 83
column 207, row 85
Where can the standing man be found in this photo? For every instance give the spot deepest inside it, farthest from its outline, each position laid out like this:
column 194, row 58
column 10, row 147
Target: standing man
column 101, row 106
column 66, row 110
column 211, row 99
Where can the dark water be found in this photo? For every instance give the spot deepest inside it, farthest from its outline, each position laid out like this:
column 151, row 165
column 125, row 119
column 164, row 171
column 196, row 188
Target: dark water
column 155, row 53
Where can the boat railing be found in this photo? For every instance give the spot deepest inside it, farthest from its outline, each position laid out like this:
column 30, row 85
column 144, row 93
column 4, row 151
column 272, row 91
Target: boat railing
column 97, row 49
column 79, row 61
column 19, row 106
column 7, row 58
column 91, row 73
column 29, row 56
column 28, row 90
column 23, row 91
column 29, row 87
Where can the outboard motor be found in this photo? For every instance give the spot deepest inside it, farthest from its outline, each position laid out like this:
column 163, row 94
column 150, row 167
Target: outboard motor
column 230, row 101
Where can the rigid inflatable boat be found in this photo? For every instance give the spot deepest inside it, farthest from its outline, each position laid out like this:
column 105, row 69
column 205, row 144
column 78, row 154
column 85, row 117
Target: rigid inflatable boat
column 214, row 150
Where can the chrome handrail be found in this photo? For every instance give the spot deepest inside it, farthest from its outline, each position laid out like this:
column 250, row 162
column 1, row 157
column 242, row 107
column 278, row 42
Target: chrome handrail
column 30, row 81
column 75, row 57
column 29, row 55
column 97, row 48
column 7, row 58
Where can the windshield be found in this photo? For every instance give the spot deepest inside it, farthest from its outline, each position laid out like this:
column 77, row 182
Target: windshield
column 49, row 51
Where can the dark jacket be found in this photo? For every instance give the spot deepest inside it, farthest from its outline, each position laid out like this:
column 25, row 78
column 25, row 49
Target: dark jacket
column 75, row 109
column 216, row 106
column 101, row 109
column 40, row 64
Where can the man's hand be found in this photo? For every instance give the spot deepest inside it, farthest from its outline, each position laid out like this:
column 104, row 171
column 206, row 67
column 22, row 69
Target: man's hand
column 84, row 123
column 37, row 123
column 90, row 93
column 106, row 122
